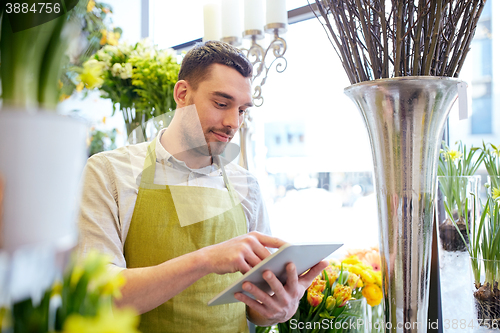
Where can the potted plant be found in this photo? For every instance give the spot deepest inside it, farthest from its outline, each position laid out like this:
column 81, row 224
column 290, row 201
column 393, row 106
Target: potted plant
column 456, row 169
column 139, row 79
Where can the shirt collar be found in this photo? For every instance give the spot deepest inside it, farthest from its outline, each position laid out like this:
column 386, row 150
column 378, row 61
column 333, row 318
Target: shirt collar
column 163, row 156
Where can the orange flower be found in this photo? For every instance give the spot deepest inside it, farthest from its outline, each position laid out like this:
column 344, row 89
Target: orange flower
column 342, row 294
column 314, row 297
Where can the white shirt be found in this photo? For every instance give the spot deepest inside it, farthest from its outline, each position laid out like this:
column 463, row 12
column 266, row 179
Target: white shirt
column 111, row 183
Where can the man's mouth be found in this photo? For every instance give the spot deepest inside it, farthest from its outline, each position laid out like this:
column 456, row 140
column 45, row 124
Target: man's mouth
column 221, row 137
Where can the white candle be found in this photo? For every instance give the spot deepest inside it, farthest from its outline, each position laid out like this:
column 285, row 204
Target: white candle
column 254, row 15
column 276, row 12
column 211, row 21
column 232, row 18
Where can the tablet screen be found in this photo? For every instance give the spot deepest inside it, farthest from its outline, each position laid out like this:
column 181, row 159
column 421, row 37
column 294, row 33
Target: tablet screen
column 304, row 256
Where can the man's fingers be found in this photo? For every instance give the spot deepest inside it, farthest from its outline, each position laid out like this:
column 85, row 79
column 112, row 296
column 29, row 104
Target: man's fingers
column 274, row 283
column 259, row 307
column 307, row 278
column 292, row 280
column 269, row 241
column 252, row 259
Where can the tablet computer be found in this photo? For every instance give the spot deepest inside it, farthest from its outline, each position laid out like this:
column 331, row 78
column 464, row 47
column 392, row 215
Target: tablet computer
column 304, row 256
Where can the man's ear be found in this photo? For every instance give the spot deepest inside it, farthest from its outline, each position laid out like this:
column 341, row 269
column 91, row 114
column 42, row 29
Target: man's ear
column 180, row 93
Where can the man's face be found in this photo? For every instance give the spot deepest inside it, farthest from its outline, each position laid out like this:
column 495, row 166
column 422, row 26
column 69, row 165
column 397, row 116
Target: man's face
column 221, row 101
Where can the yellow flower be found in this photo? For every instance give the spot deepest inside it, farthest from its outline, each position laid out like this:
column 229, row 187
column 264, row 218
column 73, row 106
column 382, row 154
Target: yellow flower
column 314, row 297
column 60, row 84
column 79, row 86
column 104, row 120
column 332, row 273
column 91, row 74
column 106, row 321
column 496, row 193
column 373, row 294
column 453, row 155
column 76, row 275
column 90, row 5
column 110, row 284
column 353, row 281
column 56, row 288
column 109, row 37
column 352, row 260
column 330, row 303
column 63, row 97
column 342, row 294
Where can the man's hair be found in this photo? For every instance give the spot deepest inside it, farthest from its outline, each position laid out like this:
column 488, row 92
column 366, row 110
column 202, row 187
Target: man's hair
column 196, row 64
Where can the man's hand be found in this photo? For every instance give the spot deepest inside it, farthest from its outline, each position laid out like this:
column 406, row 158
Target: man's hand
column 240, row 253
column 280, row 307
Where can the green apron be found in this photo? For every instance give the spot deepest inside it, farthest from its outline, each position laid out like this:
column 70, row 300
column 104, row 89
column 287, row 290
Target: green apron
column 156, row 235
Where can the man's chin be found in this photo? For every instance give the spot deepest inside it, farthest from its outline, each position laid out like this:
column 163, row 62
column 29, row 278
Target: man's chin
column 217, row 148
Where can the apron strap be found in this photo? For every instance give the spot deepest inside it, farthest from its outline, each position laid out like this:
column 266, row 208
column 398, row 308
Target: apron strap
column 229, row 185
column 148, row 172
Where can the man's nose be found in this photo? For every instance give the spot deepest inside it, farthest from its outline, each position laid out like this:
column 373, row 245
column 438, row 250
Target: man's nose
column 232, row 118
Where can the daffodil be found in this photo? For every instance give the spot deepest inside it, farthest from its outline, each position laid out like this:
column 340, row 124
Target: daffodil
column 91, row 74
column 496, row 193
column 106, row 321
column 453, row 155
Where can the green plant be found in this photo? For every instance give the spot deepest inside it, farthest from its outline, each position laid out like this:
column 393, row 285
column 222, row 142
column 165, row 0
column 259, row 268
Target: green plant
column 491, row 156
column 453, row 164
column 85, row 297
column 96, row 31
column 32, row 59
column 101, row 141
column 139, row 79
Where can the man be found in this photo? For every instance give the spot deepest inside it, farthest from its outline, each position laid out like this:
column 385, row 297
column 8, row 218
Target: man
column 169, row 214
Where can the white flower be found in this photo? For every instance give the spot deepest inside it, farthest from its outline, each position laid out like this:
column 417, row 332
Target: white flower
column 104, row 57
column 116, row 69
column 126, row 71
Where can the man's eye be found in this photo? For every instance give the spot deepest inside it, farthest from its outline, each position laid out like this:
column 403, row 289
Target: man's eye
column 220, row 105
column 243, row 111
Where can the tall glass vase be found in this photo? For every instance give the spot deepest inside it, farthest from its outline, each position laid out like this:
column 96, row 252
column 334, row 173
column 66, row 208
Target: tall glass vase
column 405, row 118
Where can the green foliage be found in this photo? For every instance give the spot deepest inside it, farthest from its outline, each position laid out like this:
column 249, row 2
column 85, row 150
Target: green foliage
column 138, row 79
column 491, row 155
column 101, row 141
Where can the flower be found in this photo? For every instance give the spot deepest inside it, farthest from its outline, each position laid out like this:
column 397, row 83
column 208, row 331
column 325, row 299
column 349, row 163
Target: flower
column 91, row 74
column 314, row 297
column 342, row 294
column 79, row 86
column 373, row 294
column 106, row 321
column 453, row 155
column 109, row 37
column 90, row 5
column 373, row 259
column 496, row 193
column 116, row 69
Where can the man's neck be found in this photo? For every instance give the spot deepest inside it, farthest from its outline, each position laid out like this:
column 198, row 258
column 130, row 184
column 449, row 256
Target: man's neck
column 193, row 159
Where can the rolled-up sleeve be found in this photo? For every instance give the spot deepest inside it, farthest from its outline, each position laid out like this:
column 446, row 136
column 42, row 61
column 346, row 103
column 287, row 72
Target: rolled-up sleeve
column 99, row 222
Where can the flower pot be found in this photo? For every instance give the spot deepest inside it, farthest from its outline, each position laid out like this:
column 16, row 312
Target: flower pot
column 457, row 191
column 42, row 157
column 405, row 118
column 486, row 294
column 451, row 198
